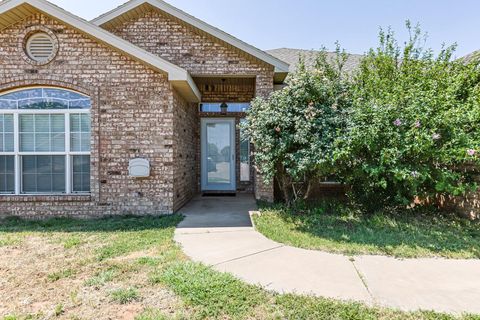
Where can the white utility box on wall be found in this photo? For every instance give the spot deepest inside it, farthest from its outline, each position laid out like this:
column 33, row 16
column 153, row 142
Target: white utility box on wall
column 139, row 168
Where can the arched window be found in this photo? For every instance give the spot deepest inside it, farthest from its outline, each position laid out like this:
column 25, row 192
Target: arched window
column 44, row 141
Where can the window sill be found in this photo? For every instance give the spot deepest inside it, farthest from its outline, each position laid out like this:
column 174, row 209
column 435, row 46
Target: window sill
column 46, row 198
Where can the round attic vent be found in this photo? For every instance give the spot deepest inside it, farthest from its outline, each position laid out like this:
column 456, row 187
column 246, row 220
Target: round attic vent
column 40, row 47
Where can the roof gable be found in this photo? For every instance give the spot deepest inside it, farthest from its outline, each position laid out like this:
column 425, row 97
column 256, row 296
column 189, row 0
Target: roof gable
column 12, row 11
column 119, row 13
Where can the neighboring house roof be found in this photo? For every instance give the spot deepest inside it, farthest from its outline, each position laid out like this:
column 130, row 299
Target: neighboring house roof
column 292, row 57
column 13, row 11
column 472, row 56
column 119, row 14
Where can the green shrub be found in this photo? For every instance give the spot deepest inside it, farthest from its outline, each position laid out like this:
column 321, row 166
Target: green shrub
column 414, row 125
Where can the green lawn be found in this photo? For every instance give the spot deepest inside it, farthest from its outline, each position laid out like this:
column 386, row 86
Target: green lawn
column 131, row 268
column 338, row 228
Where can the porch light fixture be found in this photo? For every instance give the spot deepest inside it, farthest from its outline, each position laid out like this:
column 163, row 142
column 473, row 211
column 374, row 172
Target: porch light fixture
column 224, row 108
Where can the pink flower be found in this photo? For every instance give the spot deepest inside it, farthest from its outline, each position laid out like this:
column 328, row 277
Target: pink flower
column 397, row 122
column 418, row 124
column 471, row 152
column 278, row 129
column 436, row 136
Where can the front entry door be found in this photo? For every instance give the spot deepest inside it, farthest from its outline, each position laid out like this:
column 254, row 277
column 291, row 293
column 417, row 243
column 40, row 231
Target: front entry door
column 218, row 154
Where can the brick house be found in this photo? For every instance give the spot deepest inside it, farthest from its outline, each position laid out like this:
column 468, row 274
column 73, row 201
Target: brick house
column 134, row 112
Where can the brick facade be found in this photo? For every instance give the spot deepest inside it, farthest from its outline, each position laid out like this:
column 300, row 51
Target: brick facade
column 135, row 111
column 132, row 116
column 185, row 139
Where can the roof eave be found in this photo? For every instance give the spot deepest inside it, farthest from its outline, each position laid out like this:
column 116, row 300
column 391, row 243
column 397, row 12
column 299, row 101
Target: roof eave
column 279, row 77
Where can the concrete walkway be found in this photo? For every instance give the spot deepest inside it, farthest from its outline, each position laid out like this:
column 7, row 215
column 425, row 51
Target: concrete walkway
column 218, row 232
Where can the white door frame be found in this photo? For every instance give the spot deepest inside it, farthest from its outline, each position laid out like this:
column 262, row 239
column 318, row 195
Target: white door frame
column 232, row 187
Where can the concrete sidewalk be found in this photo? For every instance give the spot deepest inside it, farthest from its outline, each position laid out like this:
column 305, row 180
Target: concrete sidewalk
column 218, row 232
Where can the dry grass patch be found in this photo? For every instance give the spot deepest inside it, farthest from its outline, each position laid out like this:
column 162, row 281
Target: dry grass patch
column 131, row 269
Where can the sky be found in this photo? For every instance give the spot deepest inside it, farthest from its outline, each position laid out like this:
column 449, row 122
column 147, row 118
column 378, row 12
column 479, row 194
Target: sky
column 312, row 24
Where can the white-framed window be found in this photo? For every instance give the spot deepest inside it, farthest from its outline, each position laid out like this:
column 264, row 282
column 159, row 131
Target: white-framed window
column 44, row 142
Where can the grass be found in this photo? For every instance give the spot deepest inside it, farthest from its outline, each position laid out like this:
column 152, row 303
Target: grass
column 10, row 240
column 134, row 263
column 101, row 278
column 216, row 295
column 72, row 242
column 55, row 276
column 58, row 310
column 124, row 296
column 341, row 229
column 221, row 296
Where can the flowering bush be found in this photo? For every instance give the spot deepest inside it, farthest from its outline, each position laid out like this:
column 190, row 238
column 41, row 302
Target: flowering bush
column 294, row 130
column 414, row 124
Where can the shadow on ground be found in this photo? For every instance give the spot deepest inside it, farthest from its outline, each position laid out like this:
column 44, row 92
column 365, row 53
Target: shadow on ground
column 106, row 224
column 394, row 234
column 218, row 212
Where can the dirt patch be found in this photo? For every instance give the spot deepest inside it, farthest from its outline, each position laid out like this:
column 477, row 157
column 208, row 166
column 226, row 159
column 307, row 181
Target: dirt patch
column 41, row 277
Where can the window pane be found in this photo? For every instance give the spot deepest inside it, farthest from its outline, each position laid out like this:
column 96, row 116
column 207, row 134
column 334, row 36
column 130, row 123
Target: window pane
column 244, row 156
column 42, row 123
column 8, row 123
column 85, row 142
column 44, row 98
column 75, row 142
column 8, row 146
column 58, row 142
column 6, row 133
column 27, row 142
column 42, row 142
column 75, row 123
column 85, row 122
column 42, row 133
column 8, row 104
column 26, row 123
column 7, row 174
column 43, row 103
column 44, row 183
column 81, row 174
column 57, row 122
column 43, row 174
column 23, row 94
column 80, row 132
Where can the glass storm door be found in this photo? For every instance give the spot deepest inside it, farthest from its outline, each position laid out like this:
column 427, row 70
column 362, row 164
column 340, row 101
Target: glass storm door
column 218, row 155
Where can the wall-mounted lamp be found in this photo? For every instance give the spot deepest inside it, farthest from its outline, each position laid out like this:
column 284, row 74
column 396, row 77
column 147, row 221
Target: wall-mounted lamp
column 224, row 108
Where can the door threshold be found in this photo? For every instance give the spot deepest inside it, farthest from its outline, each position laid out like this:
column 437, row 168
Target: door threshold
column 219, row 194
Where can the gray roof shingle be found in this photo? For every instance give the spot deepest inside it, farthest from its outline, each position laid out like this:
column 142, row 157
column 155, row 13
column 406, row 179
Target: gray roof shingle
column 472, row 56
column 291, row 56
